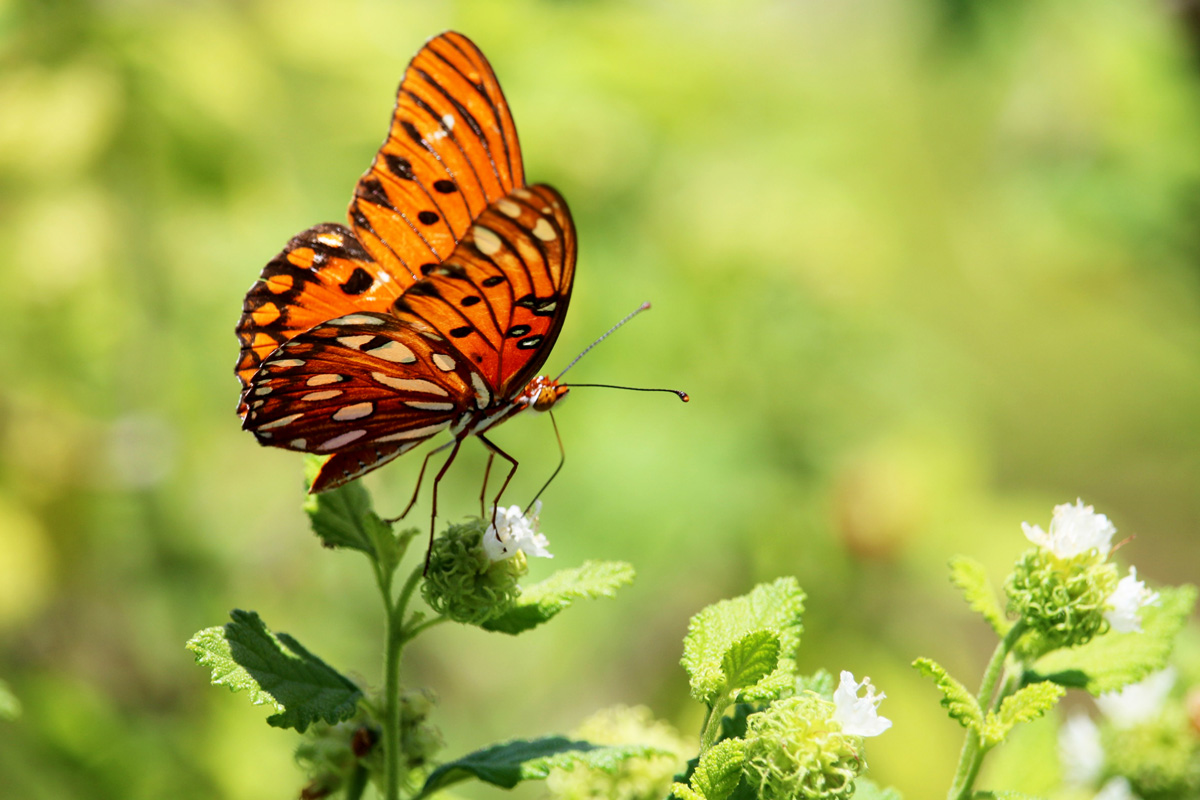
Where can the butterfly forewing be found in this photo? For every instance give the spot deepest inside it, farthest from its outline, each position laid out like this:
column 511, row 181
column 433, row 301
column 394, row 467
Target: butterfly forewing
column 322, row 273
column 501, row 296
column 451, row 150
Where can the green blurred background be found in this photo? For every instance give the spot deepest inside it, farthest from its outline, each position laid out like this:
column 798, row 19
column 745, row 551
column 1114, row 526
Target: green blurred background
column 926, row 268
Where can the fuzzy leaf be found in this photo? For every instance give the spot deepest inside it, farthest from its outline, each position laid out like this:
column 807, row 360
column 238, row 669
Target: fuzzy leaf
column 819, row 683
column 275, row 670
column 1024, row 705
column 773, row 608
column 541, row 601
column 506, row 765
column 955, row 697
column 971, row 578
column 720, row 770
column 750, row 659
column 1114, row 660
column 867, row 789
column 343, row 517
column 10, row 706
column 684, row 792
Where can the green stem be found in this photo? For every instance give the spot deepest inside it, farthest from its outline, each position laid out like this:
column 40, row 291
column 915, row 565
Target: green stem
column 712, row 723
column 971, row 758
column 393, row 643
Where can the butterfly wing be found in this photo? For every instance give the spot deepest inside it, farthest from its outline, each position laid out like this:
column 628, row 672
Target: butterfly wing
column 451, row 150
column 364, row 387
column 501, row 296
column 322, row 273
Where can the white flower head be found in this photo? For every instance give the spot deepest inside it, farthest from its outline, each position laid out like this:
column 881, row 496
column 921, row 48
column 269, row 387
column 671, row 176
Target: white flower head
column 1080, row 751
column 1074, row 530
column 513, row 531
column 1127, row 601
column 1137, row 702
column 1116, row 789
column 858, row 716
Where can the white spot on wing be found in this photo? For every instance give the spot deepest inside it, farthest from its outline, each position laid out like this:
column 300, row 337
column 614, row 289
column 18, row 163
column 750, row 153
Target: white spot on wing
column 355, row 342
column 482, row 395
column 409, row 384
column 262, row 390
column 287, row 362
column 356, row 411
column 345, row 438
column 443, row 362
column 415, row 433
column 322, row 380
column 279, row 423
column 356, row 319
column 508, row 208
column 330, row 239
column 394, row 351
column 328, row 394
column 298, row 444
column 486, row 240
column 544, row 231
column 422, row 405
column 448, row 121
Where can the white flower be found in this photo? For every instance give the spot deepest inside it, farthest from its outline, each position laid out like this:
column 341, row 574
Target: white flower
column 1137, row 702
column 1127, row 600
column 1116, row 789
column 514, row 531
column 1080, row 751
column 1075, row 529
column 858, row 715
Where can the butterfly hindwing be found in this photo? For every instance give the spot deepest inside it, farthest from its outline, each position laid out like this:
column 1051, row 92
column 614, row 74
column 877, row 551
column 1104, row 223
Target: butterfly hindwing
column 322, row 273
column 501, row 297
column 361, row 381
column 451, row 150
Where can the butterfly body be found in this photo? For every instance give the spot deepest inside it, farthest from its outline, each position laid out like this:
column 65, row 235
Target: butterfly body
column 434, row 309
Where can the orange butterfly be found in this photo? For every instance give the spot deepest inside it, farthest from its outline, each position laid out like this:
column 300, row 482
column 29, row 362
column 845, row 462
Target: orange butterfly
column 435, row 308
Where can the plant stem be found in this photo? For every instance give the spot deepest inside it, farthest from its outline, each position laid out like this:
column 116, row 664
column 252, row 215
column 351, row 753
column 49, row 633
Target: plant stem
column 393, row 642
column 971, row 757
column 712, row 723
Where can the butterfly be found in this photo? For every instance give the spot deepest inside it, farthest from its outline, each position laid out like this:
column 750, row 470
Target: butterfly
column 434, row 308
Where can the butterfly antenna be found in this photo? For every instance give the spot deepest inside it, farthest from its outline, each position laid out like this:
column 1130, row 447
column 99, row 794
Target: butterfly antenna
column 643, row 307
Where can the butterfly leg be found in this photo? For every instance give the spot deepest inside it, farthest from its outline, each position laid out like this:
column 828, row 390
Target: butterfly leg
column 436, row 481
column 562, row 459
column 512, row 471
column 483, row 491
column 417, row 489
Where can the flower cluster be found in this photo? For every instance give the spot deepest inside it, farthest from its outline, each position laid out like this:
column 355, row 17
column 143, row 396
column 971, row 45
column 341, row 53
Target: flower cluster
column 1065, row 588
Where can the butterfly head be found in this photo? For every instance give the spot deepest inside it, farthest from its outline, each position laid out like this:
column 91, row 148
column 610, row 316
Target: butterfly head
column 542, row 393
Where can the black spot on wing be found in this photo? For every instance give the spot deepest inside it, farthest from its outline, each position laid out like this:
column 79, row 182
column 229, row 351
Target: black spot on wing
column 444, row 186
column 398, row 166
column 359, row 281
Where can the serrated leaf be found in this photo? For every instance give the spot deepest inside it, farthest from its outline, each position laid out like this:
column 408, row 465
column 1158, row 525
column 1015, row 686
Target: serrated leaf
column 750, row 659
column 867, row 789
column 274, row 669
column 774, row 608
column 720, row 769
column 506, row 765
column 10, row 706
column 955, row 697
column 972, row 580
column 1024, row 705
column 542, row 601
column 344, row 517
column 819, row 683
column 1109, row 662
column 685, row 792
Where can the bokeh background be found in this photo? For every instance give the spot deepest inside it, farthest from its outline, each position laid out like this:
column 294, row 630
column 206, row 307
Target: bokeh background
column 927, row 268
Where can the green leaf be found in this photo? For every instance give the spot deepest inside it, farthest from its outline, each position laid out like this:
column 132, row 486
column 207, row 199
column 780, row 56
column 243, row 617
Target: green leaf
column 955, row 697
column 506, row 765
column 343, row 517
column 541, row 601
column 1002, row 794
column 971, row 578
column 684, row 792
column 275, row 670
column 10, row 706
column 773, row 608
column 750, row 659
column 720, row 770
column 867, row 789
column 1114, row 660
column 819, row 683
column 1024, row 705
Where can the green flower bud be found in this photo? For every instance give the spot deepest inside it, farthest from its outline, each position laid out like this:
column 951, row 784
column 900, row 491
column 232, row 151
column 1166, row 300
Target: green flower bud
column 1160, row 757
column 1063, row 600
column 419, row 740
column 796, row 749
column 329, row 754
column 463, row 583
column 635, row 778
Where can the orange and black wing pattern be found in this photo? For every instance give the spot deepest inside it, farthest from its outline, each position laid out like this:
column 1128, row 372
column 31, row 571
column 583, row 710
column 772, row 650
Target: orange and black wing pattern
column 451, row 151
column 501, row 297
